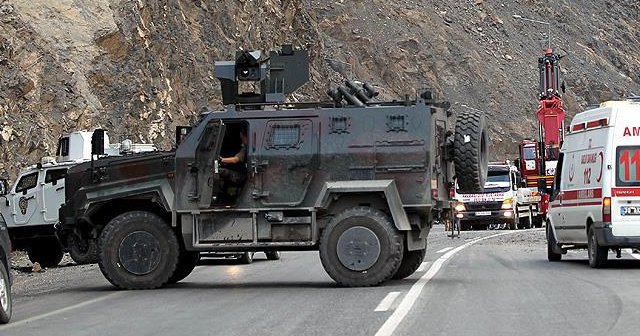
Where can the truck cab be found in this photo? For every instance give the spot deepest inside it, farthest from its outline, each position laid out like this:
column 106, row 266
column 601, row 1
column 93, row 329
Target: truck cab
column 504, row 203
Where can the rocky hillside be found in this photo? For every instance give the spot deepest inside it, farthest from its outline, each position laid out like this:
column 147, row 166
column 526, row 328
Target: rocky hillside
column 139, row 68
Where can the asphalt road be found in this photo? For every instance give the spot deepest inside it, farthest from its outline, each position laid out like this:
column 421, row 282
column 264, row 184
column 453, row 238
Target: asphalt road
column 495, row 286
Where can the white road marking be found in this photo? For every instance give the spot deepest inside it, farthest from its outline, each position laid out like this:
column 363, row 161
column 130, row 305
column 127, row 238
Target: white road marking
column 444, row 250
column 635, row 255
column 422, row 266
column 409, row 300
column 62, row 310
column 386, row 303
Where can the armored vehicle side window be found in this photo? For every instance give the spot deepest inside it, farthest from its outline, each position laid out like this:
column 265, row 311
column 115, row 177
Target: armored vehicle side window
column 53, row 175
column 27, row 182
column 284, row 136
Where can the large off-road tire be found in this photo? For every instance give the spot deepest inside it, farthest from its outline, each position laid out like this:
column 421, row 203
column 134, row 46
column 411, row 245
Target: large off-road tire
column 361, row 247
column 46, row 251
column 138, row 250
column 470, row 147
column 6, row 303
column 411, row 260
column 597, row 254
column 246, row 258
column 83, row 251
column 272, row 255
column 187, row 261
column 552, row 244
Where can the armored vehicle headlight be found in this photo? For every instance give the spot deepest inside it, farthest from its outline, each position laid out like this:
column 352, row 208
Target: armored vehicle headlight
column 507, row 204
column 459, row 207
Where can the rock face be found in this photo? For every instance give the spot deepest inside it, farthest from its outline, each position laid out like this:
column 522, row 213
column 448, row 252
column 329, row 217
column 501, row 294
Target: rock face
column 139, row 68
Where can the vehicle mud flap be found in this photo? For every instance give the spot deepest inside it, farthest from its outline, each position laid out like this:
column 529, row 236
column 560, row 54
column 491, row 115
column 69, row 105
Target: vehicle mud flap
column 470, row 148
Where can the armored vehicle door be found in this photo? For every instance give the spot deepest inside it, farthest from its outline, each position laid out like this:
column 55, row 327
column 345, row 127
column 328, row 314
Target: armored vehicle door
column 287, row 157
column 24, row 198
column 207, row 154
column 53, row 193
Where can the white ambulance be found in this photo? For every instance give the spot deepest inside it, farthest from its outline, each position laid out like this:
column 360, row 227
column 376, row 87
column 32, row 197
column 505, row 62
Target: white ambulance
column 595, row 198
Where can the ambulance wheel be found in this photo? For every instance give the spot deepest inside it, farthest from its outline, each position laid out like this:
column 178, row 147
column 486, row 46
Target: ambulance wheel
column 551, row 246
column 470, row 151
column 597, row 254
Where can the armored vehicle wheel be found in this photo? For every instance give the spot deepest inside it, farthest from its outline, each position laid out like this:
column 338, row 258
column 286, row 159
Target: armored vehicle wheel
column 47, row 252
column 470, row 151
column 6, row 304
column 411, row 260
column 361, row 247
column 597, row 254
column 83, row 251
column 246, row 258
column 272, row 255
column 551, row 245
column 187, row 261
column 138, row 250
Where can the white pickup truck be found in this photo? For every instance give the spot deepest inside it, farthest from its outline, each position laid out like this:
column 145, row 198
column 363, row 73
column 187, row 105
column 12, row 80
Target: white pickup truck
column 505, row 203
column 30, row 206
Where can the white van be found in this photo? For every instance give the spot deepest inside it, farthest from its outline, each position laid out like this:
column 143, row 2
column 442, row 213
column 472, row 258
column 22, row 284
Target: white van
column 595, row 198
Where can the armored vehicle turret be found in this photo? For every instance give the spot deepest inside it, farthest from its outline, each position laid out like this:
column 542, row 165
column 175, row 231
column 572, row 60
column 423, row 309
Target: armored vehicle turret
column 359, row 179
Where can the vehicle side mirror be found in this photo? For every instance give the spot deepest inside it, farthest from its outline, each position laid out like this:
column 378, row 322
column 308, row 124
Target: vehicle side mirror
column 97, row 142
column 4, row 187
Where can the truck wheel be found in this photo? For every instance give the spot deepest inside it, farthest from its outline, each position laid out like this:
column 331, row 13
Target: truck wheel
column 597, row 254
column 138, row 250
column 83, row 251
column 361, row 247
column 6, row 304
column 272, row 255
column 525, row 222
column 551, row 245
column 246, row 258
column 47, row 252
column 187, row 261
column 470, row 151
column 411, row 260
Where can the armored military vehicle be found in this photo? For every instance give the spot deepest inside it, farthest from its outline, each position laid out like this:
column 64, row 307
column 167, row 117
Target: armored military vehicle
column 360, row 180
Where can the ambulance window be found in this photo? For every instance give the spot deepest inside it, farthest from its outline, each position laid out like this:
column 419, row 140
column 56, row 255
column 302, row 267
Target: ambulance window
column 628, row 166
column 529, row 153
column 27, row 182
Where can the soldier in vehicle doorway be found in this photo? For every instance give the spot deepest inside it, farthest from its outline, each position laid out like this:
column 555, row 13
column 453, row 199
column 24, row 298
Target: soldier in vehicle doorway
column 233, row 172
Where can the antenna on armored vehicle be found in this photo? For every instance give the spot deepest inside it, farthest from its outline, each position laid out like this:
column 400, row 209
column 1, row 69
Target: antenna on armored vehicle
column 279, row 74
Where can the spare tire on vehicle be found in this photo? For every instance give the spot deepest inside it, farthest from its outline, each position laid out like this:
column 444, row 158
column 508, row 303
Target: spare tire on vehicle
column 470, row 146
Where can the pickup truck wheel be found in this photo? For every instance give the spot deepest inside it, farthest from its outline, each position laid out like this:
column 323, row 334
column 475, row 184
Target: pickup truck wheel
column 361, row 247
column 551, row 245
column 411, row 260
column 138, row 250
column 47, row 252
column 6, row 304
column 187, row 261
column 246, row 258
column 83, row 251
column 597, row 254
column 272, row 255
column 470, row 145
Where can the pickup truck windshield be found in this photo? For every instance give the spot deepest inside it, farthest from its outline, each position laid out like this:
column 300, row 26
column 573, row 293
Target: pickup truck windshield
column 493, row 177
